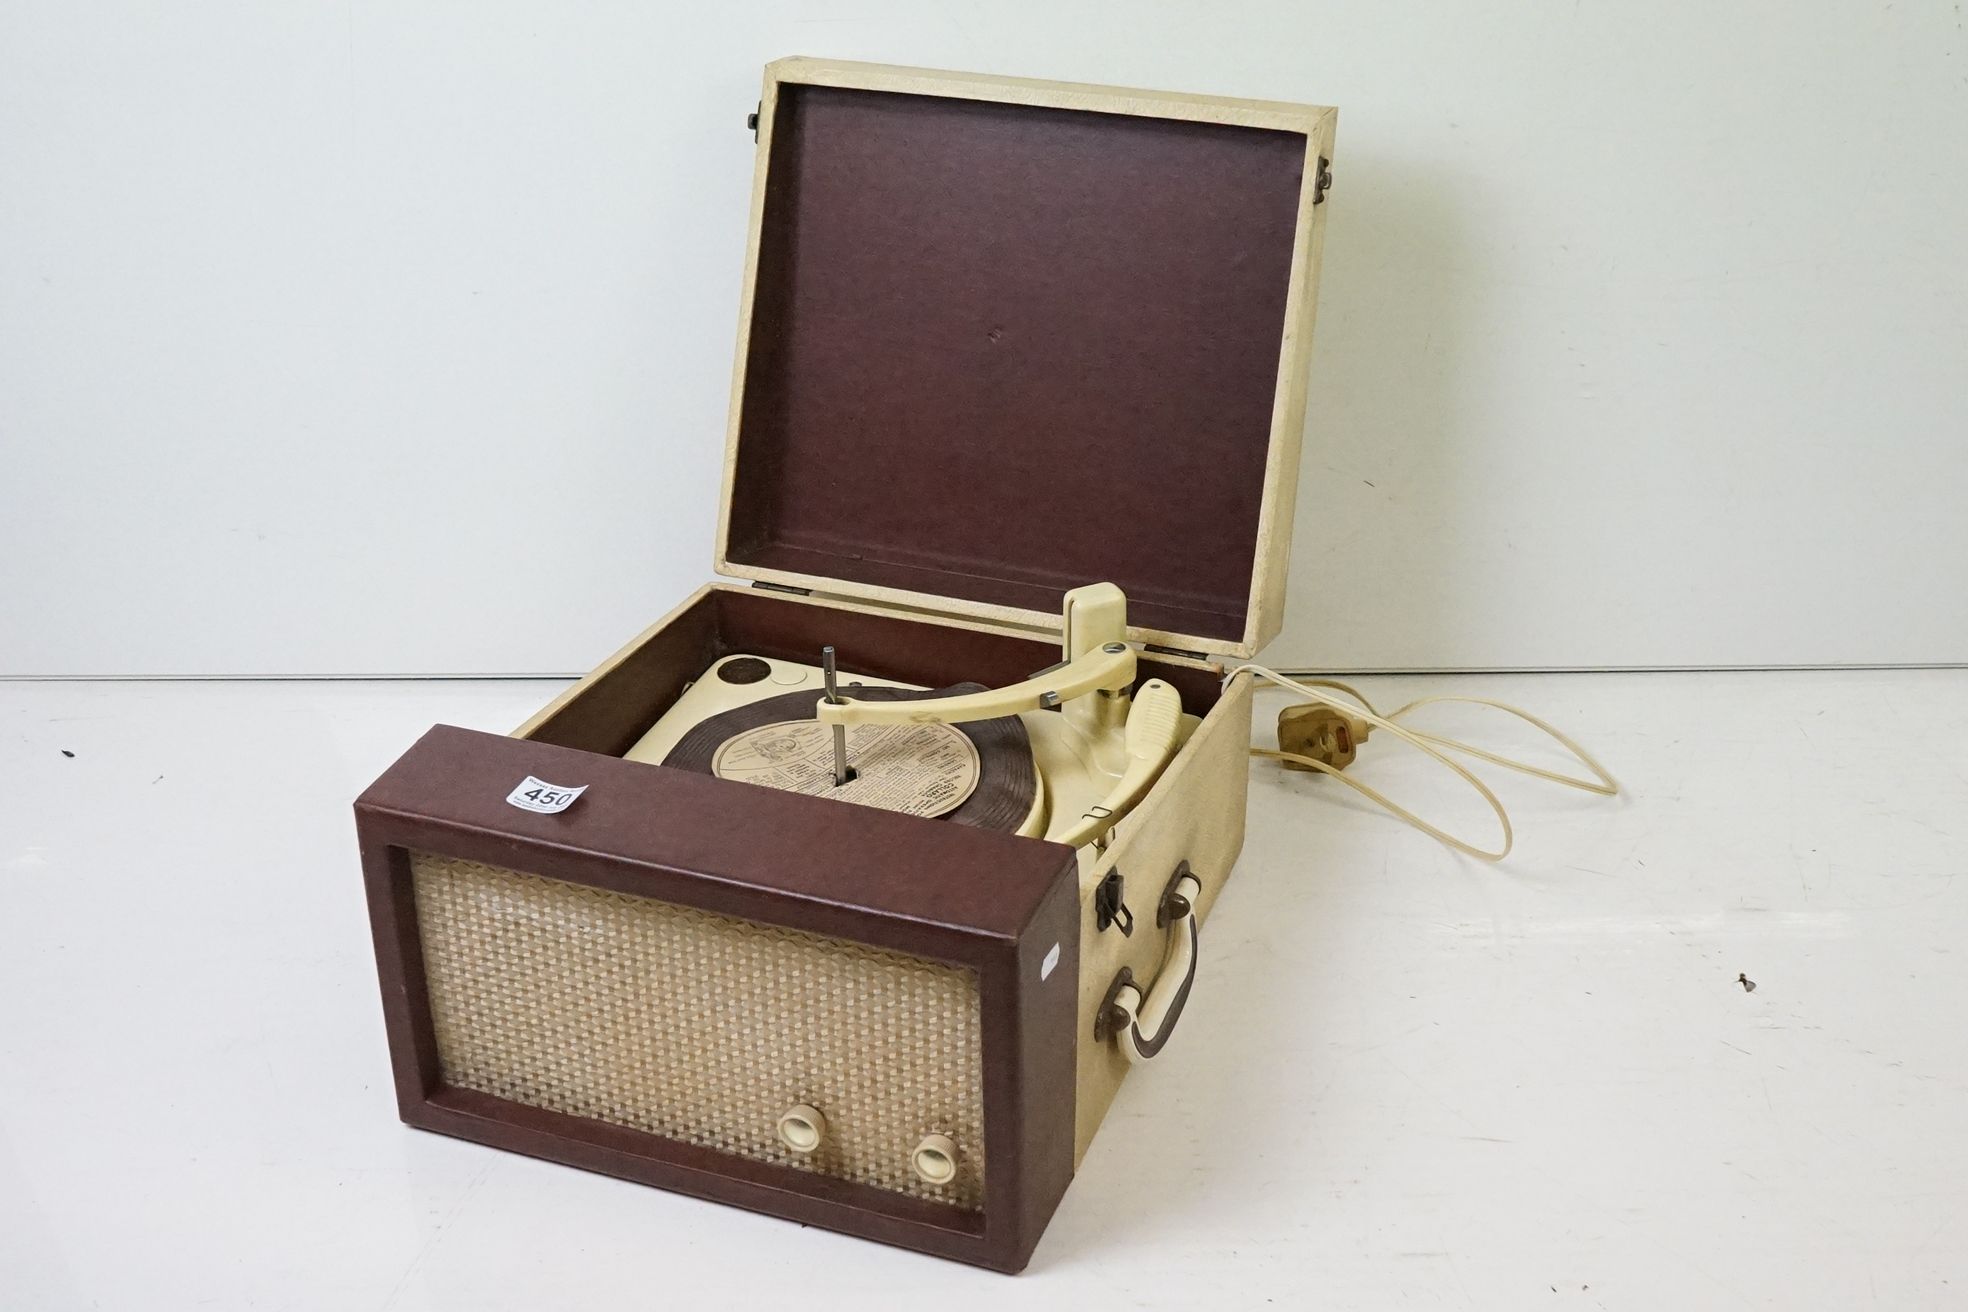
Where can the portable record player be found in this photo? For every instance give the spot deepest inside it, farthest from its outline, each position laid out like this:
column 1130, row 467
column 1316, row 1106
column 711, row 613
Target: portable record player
column 851, row 895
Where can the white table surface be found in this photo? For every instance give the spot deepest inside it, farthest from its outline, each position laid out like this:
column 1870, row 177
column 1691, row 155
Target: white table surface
column 1403, row 1078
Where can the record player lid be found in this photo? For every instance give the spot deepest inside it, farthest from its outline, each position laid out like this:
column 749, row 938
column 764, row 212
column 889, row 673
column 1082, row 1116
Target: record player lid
column 1002, row 338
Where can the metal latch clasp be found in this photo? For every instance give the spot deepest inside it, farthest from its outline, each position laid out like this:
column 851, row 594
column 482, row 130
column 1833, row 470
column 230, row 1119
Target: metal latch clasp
column 1108, row 906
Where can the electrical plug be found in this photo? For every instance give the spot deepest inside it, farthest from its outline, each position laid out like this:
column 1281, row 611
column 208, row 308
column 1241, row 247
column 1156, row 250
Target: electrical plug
column 1321, row 732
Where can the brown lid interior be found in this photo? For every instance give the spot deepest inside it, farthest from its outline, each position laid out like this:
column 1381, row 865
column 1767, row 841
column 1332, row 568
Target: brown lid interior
column 998, row 351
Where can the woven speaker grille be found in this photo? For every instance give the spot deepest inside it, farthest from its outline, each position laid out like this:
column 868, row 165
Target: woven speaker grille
column 700, row 1027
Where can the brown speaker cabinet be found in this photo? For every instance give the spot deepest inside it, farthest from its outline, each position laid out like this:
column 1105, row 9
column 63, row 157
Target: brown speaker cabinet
column 999, row 338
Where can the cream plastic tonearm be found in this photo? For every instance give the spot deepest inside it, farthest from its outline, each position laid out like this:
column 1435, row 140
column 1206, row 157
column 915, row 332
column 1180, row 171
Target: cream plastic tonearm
column 1097, row 673
column 1109, row 669
column 1152, row 729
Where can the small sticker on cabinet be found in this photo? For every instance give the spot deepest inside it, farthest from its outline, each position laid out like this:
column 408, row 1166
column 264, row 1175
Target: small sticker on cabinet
column 1051, row 960
column 539, row 795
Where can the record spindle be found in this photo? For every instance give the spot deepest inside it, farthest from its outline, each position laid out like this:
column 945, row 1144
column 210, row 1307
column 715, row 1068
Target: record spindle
column 831, row 675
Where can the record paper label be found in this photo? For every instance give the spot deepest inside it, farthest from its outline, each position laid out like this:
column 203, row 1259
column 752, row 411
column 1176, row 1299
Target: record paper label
column 917, row 769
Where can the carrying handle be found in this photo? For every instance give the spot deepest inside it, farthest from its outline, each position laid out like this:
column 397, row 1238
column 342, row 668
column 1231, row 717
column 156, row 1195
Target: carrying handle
column 1142, row 1025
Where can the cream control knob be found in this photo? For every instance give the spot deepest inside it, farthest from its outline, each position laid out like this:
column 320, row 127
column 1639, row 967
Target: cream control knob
column 935, row 1159
column 802, row 1128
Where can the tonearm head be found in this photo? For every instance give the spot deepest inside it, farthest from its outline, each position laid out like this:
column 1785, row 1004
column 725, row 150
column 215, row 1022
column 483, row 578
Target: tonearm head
column 1098, row 664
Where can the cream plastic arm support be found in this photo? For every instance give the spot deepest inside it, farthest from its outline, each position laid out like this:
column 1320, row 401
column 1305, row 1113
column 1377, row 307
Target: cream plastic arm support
column 1152, row 727
column 1110, row 668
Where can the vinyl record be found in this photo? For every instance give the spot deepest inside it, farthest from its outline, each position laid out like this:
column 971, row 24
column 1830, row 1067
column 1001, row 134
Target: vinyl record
column 1007, row 780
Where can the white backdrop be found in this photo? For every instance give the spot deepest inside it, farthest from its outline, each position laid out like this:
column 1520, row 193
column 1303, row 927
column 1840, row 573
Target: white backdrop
column 391, row 338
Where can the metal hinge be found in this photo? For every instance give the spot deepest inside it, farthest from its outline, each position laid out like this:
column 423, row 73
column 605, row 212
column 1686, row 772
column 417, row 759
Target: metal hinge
column 764, row 586
column 1322, row 181
column 752, row 119
column 1175, row 651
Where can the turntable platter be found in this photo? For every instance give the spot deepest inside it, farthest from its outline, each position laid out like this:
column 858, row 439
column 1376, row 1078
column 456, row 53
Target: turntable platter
column 923, row 774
